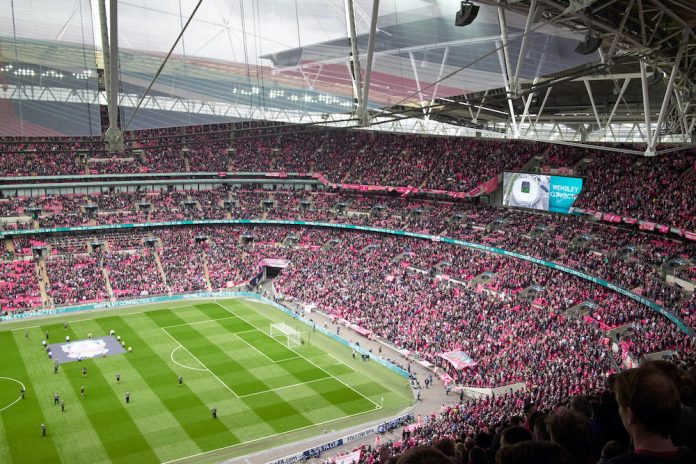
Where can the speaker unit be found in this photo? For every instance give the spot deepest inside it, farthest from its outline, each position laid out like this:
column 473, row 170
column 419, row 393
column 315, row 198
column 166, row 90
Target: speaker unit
column 589, row 46
column 466, row 14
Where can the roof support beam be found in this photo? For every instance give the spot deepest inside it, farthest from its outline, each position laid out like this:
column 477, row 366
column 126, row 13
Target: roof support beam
column 503, row 66
column 619, row 33
column 104, row 30
column 437, row 81
column 483, row 102
column 646, row 103
column 506, row 52
column 364, row 116
column 668, row 94
column 109, row 38
column 525, row 41
column 681, row 115
column 468, row 107
column 594, row 107
column 525, row 113
column 114, row 137
column 540, row 111
column 543, row 104
column 616, row 105
column 418, row 86
column 354, row 57
column 687, row 27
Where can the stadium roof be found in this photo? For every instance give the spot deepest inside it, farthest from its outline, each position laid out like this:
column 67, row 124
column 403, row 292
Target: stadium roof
column 291, row 60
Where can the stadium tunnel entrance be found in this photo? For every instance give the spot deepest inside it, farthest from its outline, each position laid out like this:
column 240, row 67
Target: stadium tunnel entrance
column 269, row 269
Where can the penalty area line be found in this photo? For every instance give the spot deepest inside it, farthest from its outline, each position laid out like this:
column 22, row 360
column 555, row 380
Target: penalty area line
column 185, row 367
column 201, row 363
column 284, row 387
column 377, row 406
column 199, row 322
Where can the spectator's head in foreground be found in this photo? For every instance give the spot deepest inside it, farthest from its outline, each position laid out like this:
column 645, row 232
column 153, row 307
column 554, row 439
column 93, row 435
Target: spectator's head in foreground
column 423, row 455
column 533, row 452
column 649, row 405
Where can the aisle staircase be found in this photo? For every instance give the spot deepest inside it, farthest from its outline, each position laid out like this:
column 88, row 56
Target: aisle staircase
column 40, row 267
column 206, row 274
column 107, row 282
column 159, row 266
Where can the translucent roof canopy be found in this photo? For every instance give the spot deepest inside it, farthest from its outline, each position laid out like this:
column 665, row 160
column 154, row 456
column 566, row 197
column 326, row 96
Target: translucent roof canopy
column 283, row 55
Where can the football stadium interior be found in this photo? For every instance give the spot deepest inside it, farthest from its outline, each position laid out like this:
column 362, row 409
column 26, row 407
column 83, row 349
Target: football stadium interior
column 348, row 231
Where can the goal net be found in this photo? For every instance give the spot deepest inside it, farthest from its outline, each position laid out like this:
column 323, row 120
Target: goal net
column 289, row 335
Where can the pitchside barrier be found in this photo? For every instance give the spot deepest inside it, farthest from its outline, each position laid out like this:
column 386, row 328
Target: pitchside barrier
column 316, row 451
column 604, row 283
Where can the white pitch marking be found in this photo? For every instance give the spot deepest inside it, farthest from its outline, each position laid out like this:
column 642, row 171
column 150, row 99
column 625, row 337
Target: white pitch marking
column 260, row 352
column 199, row 322
column 199, row 361
column 96, row 313
column 20, row 395
column 283, row 360
column 341, row 362
column 284, row 387
column 377, row 406
column 185, row 367
column 318, row 424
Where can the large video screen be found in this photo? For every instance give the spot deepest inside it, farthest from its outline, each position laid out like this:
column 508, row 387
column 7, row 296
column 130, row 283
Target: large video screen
column 538, row 191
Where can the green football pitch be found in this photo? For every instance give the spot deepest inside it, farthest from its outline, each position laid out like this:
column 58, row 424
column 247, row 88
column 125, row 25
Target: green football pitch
column 265, row 393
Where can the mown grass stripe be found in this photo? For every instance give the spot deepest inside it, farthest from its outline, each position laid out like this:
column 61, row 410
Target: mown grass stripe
column 225, row 367
column 22, row 422
column 107, row 413
column 74, row 441
column 344, row 398
column 270, row 347
column 5, row 455
column 297, row 407
column 188, row 409
column 281, row 415
column 212, row 310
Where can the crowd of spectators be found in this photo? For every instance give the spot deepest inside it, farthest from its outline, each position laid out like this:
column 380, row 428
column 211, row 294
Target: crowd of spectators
column 652, row 189
column 622, row 422
column 134, row 273
column 421, row 296
column 75, row 278
column 19, row 289
column 622, row 256
column 656, row 185
column 560, row 336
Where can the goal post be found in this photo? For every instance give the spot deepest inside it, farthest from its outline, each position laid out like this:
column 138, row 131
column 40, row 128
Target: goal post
column 290, row 336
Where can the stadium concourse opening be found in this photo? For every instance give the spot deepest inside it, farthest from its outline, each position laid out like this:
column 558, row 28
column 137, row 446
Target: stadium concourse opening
column 273, row 267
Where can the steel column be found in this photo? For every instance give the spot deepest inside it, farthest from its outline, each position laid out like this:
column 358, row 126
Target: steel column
column 646, row 102
column 364, row 117
column 525, row 41
column 594, row 107
column 355, row 59
column 668, row 94
column 616, row 105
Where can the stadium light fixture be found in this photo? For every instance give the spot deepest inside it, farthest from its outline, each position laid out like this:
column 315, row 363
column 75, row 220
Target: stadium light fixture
column 466, row 14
